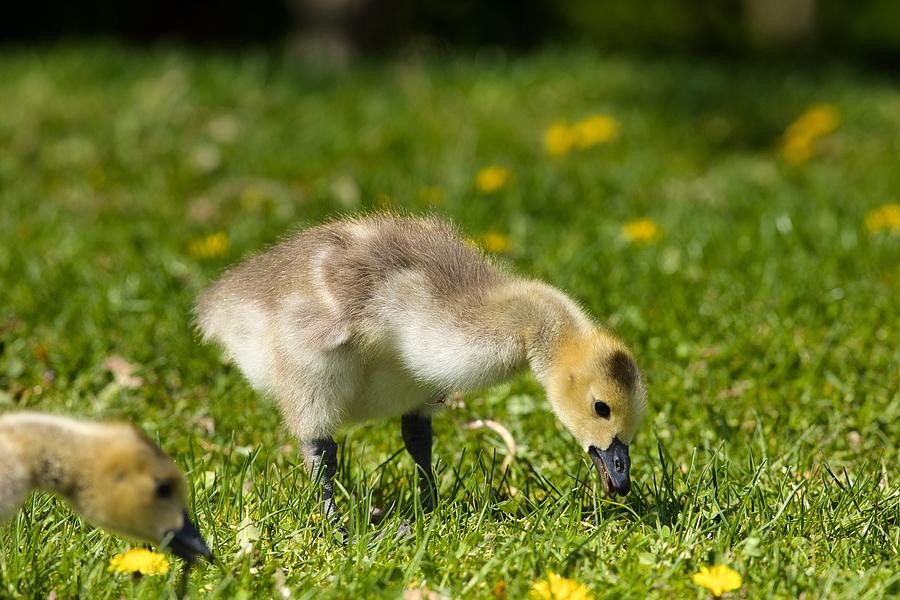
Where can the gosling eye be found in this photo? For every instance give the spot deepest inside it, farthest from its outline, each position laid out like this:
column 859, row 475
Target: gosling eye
column 602, row 409
column 164, row 490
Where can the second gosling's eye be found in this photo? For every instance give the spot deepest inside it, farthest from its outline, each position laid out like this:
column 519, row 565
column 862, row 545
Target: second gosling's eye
column 164, row 489
column 602, row 409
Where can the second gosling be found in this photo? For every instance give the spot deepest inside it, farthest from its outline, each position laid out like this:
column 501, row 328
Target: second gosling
column 377, row 316
column 110, row 473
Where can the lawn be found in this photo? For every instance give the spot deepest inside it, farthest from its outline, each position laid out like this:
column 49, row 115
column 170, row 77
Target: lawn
column 762, row 307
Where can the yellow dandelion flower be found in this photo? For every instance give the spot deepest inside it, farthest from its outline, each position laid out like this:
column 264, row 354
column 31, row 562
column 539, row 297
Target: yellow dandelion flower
column 642, row 231
column 718, row 580
column 559, row 139
column 556, row 587
column 884, row 218
column 816, row 121
column 139, row 560
column 798, row 149
column 491, row 179
column 595, row 130
column 210, row 246
column 799, row 144
column 495, row 242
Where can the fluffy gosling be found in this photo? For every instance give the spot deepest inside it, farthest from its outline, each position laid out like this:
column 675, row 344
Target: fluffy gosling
column 111, row 473
column 378, row 316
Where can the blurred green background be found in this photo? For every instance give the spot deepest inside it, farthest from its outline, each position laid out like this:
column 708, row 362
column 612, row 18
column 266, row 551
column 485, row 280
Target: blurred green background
column 716, row 181
column 867, row 29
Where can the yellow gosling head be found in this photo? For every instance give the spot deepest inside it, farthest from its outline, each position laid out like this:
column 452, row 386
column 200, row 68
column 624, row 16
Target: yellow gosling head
column 139, row 492
column 597, row 392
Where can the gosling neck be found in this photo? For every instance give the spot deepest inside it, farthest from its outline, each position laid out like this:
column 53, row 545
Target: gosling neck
column 46, row 446
column 543, row 320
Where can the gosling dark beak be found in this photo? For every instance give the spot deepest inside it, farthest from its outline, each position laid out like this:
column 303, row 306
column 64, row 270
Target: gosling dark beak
column 186, row 543
column 614, row 466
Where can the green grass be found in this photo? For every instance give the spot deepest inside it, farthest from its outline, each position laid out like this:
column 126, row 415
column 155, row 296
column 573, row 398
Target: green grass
column 765, row 319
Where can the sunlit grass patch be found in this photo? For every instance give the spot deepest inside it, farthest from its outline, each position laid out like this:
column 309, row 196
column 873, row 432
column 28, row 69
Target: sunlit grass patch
column 760, row 299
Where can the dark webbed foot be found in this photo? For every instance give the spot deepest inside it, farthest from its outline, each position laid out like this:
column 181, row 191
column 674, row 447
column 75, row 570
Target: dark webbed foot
column 417, row 436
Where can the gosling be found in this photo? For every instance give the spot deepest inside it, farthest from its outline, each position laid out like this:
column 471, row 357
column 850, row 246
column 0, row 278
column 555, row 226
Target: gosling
column 111, row 473
column 381, row 316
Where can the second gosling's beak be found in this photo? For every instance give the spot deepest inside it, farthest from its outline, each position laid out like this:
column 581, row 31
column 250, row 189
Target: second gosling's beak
column 186, row 543
column 614, row 466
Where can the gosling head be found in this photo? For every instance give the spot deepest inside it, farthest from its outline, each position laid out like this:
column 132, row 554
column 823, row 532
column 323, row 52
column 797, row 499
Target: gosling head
column 139, row 492
column 598, row 393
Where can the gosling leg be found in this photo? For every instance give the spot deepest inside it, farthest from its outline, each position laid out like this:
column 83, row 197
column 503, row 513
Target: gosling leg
column 417, row 436
column 320, row 456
